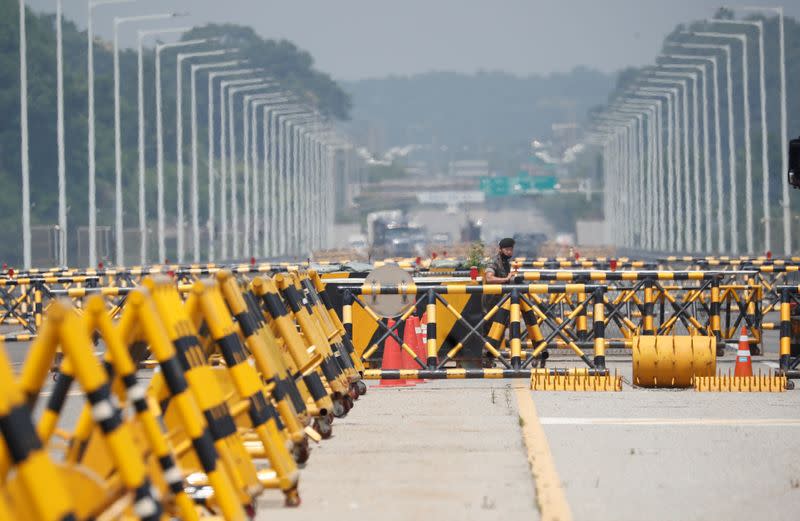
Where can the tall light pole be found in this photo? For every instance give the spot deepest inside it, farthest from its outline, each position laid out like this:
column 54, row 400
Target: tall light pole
column 693, row 76
column 259, row 101
column 225, row 121
column 652, row 107
column 682, row 237
column 162, row 246
column 701, row 71
column 787, row 222
column 62, row 163
column 23, row 117
column 119, row 226
column 284, row 166
column 212, row 76
column 179, row 139
column 234, row 198
column 91, row 124
column 643, row 188
column 732, row 184
column 272, row 195
column 195, row 187
column 671, row 95
column 658, row 210
column 712, row 59
column 142, row 34
column 759, row 26
column 748, row 186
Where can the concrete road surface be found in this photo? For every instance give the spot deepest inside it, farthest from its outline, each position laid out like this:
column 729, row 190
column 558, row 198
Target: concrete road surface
column 448, row 450
column 453, row 450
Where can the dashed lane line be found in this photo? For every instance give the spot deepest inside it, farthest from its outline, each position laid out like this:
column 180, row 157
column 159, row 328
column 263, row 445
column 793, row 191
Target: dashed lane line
column 732, row 422
column 550, row 495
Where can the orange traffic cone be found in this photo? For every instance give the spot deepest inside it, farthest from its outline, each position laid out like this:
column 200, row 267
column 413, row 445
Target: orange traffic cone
column 744, row 365
column 410, row 339
column 391, row 359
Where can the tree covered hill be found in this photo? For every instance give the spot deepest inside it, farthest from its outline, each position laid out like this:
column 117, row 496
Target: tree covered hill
column 485, row 108
column 292, row 67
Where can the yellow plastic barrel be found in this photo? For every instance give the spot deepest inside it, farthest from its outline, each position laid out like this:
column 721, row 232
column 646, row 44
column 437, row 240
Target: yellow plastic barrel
column 672, row 361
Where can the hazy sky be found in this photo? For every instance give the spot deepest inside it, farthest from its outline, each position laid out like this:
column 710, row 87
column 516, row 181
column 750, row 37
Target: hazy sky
column 354, row 39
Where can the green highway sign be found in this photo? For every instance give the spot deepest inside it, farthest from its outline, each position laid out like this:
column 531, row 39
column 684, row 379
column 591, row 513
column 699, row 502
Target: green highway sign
column 496, row 186
column 523, row 183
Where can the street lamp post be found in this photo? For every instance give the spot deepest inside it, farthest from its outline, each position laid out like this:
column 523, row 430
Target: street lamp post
column 701, row 70
column 260, row 189
column 24, row 137
column 212, row 248
column 787, row 222
column 759, row 25
column 118, row 221
column 232, row 170
column 671, row 95
column 195, row 187
column 226, row 121
column 179, row 139
column 693, row 76
column 142, row 34
column 726, row 49
column 91, row 127
column 646, row 154
column 652, row 108
column 717, row 132
column 658, row 211
column 285, row 170
column 62, row 164
column 748, row 187
column 162, row 247
column 681, row 188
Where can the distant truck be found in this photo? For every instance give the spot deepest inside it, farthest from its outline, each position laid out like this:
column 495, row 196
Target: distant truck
column 396, row 238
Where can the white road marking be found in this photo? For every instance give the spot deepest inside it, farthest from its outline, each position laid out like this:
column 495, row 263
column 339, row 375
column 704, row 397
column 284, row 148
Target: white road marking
column 735, row 422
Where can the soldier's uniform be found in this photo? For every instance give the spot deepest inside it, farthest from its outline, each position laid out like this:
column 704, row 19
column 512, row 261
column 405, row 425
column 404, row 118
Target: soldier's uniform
column 500, row 268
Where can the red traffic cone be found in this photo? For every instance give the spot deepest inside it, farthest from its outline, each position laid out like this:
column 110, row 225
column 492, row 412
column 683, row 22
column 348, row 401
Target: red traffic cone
column 744, row 365
column 391, row 359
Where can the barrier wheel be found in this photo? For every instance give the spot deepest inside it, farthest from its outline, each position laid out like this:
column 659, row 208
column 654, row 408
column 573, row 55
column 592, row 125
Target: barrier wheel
column 789, row 385
column 323, row 427
column 250, row 511
column 348, row 404
column 292, row 498
column 339, row 410
column 362, row 387
column 300, row 452
column 352, row 392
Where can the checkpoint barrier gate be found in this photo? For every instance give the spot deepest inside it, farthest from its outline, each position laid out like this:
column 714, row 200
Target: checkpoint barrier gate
column 516, row 298
column 575, row 316
column 635, row 303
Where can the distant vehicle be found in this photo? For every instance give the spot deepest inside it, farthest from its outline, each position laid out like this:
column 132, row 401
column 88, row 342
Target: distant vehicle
column 397, row 238
column 441, row 239
column 471, row 232
column 527, row 244
column 358, row 243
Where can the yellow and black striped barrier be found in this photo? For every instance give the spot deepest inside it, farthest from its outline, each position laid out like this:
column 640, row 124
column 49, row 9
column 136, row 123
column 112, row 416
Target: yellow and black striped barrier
column 244, row 367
